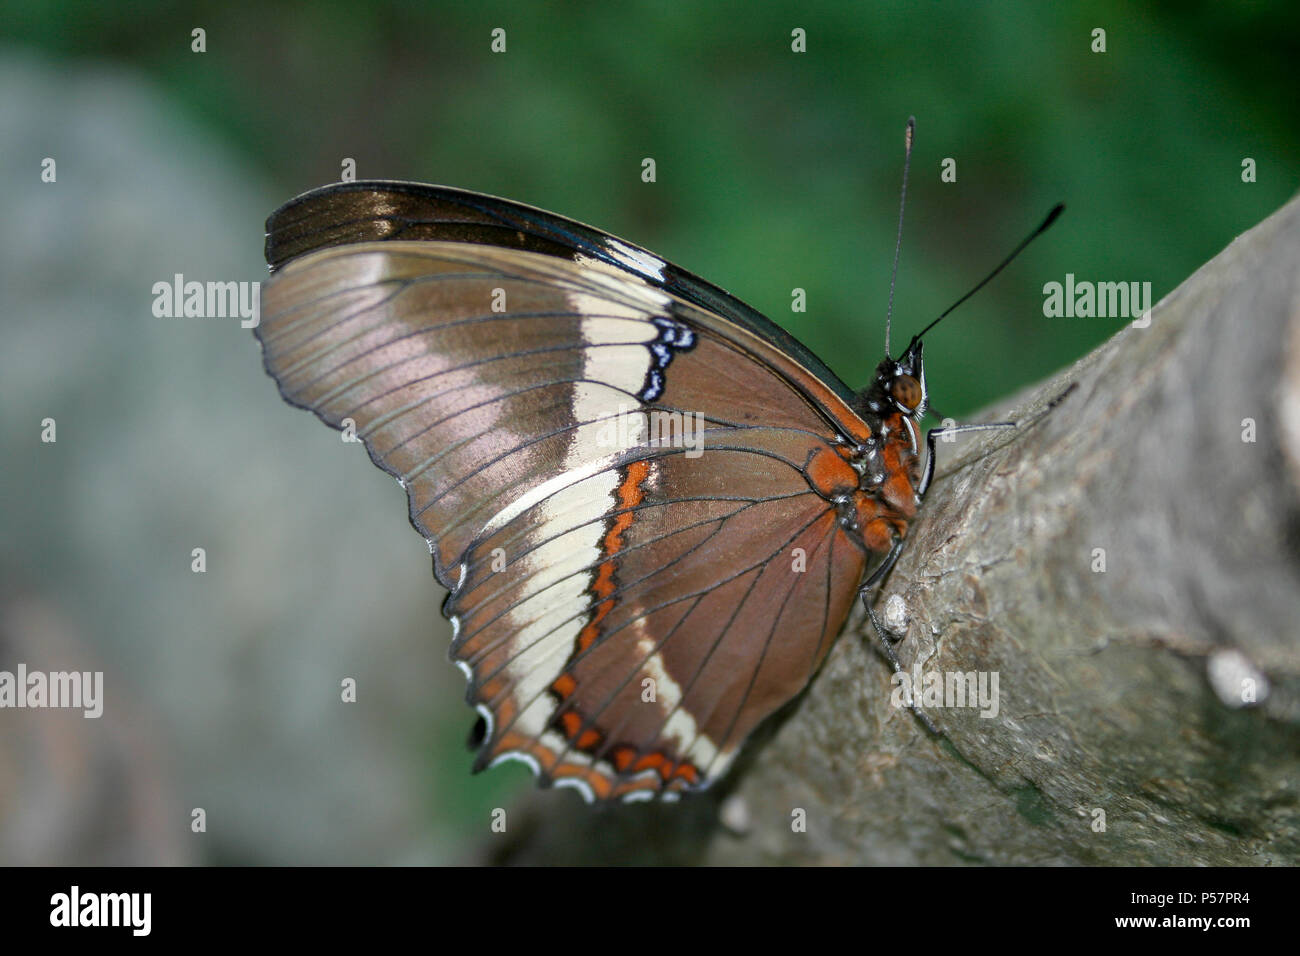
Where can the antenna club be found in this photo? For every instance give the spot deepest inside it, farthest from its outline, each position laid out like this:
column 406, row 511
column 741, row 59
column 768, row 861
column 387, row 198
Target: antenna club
column 1051, row 218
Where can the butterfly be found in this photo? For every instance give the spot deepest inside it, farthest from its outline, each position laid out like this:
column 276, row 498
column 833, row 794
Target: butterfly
column 653, row 508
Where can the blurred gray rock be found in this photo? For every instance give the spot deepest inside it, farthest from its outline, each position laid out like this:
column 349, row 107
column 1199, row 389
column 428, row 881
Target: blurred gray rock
column 169, row 438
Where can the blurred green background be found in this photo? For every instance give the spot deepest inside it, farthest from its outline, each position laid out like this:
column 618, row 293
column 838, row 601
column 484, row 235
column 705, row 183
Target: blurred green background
column 775, row 170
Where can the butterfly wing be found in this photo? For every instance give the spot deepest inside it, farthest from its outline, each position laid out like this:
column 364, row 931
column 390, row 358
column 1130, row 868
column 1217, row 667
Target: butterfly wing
column 628, row 496
column 385, row 210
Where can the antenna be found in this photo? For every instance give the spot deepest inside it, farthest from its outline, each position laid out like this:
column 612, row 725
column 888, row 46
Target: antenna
column 908, row 137
column 1051, row 218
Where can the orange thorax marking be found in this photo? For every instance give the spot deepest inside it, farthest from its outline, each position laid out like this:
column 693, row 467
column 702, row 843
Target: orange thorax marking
column 829, row 473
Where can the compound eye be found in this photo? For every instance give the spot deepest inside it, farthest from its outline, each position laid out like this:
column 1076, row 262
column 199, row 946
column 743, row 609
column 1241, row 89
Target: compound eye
column 907, row 392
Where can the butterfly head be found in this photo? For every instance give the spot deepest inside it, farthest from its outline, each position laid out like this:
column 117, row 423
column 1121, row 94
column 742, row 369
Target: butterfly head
column 898, row 385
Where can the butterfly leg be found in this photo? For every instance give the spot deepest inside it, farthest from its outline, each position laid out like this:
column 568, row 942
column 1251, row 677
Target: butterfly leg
column 927, row 472
column 887, row 637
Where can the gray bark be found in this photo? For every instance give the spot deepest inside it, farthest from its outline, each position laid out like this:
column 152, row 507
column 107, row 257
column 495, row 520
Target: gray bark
column 1120, row 691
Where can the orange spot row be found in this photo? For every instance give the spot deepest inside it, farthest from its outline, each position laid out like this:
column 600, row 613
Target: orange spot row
column 570, row 721
column 668, row 769
column 630, row 494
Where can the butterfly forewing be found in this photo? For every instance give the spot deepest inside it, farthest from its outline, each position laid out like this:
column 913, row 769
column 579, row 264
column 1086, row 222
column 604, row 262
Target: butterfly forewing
column 629, row 496
column 383, row 210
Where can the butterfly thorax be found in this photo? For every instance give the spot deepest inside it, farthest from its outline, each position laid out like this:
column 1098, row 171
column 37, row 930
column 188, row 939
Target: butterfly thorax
column 889, row 462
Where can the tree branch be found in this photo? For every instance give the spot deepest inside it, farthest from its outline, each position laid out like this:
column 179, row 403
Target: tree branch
column 1120, row 691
